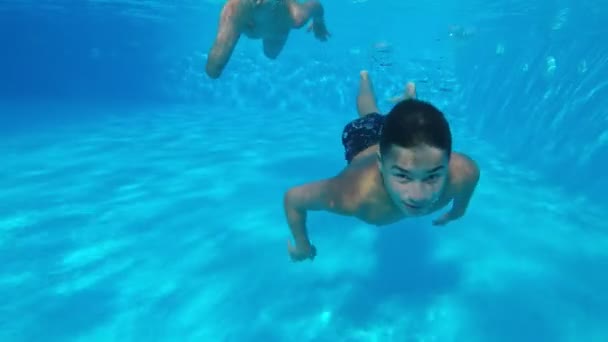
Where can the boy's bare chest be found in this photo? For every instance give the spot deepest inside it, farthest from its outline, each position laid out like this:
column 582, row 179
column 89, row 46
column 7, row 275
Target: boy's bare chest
column 268, row 21
column 379, row 215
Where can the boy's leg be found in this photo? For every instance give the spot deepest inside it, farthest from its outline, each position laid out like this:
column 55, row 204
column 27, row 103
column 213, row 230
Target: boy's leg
column 410, row 91
column 274, row 45
column 363, row 132
column 366, row 100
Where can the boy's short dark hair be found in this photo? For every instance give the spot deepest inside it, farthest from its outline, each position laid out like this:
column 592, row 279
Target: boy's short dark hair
column 413, row 122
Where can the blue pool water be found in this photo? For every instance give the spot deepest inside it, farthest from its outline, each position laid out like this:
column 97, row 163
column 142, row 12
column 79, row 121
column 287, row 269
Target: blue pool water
column 141, row 201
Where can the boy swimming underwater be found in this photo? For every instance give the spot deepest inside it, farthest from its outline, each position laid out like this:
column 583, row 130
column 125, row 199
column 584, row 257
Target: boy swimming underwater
column 399, row 165
column 269, row 20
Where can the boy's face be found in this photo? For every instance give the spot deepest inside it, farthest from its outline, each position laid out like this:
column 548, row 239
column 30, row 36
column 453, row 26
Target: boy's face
column 414, row 177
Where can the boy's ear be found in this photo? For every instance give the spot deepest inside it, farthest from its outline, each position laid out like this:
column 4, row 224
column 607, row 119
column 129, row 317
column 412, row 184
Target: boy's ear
column 379, row 160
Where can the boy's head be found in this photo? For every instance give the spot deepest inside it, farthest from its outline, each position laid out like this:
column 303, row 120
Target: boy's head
column 415, row 149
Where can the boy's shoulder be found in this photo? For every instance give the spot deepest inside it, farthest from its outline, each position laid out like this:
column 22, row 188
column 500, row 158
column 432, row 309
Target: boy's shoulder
column 357, row 183
column 463, row 170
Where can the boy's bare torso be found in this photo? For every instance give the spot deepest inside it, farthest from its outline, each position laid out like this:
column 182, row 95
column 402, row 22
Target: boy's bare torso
column 362, row 194
column 267, row 18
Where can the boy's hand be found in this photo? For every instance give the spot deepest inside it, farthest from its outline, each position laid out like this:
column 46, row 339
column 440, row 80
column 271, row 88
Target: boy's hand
column 445, row 218
column 319, row 29
column 300, row 253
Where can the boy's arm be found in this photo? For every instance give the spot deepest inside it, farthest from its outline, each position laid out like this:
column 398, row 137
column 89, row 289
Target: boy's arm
column 463, row 197
column 319, row 195
column 302, row 12
column 314, row 8
column 229, row 30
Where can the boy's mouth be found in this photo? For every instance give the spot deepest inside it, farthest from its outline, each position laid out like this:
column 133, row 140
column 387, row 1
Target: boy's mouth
column 412, row 206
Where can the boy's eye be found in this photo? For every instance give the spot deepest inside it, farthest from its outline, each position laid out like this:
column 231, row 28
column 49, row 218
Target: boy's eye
column 432, row 177
column 403, row 176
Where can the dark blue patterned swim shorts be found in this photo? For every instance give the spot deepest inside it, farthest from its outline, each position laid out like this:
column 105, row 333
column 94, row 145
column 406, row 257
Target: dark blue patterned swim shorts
column 361, row 133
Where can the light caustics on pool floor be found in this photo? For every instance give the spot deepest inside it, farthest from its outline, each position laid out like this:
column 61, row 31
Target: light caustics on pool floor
column 168, row 224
